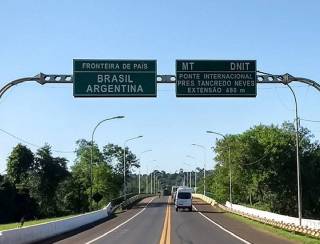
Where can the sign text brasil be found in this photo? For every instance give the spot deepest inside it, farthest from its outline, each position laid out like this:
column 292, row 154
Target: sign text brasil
column 216, row 78
column 114, row 78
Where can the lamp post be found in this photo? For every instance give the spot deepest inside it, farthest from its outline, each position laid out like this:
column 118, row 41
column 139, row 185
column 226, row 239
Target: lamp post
column 195, row 174
column 204, row 168
column 190, row 181
column 297, row 155
column 91, row 158
column 230, row 176
column 154, row 177
column 151, row 190
column 124, row 165
column 140, row 167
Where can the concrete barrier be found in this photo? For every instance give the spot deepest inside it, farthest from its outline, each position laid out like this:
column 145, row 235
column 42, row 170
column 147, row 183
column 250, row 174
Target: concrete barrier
column 309, row 227
column 133, row 199
column 309, row 223
column 40, row 232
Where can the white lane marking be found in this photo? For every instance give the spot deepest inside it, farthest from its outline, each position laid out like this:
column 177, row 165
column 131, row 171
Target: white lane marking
column 222, row 228
column 117, row 227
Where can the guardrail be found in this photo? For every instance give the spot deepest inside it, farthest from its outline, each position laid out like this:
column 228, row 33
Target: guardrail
column 309, row 227
column 37, row 233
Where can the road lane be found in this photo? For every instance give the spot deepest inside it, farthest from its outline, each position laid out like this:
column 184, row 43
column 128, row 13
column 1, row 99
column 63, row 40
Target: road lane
column 190, row 227
column 150, row 223
column 145, row 227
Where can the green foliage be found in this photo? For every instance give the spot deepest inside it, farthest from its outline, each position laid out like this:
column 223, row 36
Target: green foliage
column 40, row 185
column 15, row 203
column 20, row 162
column 47, row 174
column 114, row 154
column 263, row 168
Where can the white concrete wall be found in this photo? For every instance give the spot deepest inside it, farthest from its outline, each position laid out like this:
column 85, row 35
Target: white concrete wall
column 42, row 231
column 311, row 223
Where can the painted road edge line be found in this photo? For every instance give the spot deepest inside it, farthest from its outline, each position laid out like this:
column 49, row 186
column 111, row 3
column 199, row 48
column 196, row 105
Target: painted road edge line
column 117, row 227
column 222, row 228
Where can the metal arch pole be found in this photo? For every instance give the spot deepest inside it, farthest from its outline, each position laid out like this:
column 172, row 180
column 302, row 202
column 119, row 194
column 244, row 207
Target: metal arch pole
column 285, row 79
column 41, row 79
column 16, row 82
column 297, row 156
column 306, row 81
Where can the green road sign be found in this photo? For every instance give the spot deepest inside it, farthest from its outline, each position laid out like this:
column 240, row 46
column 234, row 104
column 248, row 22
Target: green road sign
column 114, row 78
column 216, row 78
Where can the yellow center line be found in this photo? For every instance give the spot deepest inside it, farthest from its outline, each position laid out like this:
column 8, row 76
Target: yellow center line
column 166, row 230
column 169, row 223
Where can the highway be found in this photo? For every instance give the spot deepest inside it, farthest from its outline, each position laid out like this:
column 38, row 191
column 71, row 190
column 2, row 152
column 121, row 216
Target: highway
column 154, row 220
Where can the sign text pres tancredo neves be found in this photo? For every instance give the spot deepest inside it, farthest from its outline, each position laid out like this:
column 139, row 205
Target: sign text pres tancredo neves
column 114, row 78
column 216, row 78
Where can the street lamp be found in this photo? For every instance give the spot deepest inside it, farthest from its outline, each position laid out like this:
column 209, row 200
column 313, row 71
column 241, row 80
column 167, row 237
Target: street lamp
column 195, row 173
column 151, row 177
column 94, row 130
column 140, row 167
column 154, row 178
column 124, row 164
column 188, row 175
column 204, row 168
column 297, row 155
column 229, row 152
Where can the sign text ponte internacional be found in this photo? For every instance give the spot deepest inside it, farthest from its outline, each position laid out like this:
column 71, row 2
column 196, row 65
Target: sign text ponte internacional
column 216, row 78
column 114, row 78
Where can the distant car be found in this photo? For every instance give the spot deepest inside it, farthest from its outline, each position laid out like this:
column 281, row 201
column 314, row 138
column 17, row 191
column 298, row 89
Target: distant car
column 183, row 198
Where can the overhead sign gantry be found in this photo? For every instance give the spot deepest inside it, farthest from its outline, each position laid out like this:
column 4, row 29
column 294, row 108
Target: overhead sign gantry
column 114, row 78
column 147, row 78
column 216, row 78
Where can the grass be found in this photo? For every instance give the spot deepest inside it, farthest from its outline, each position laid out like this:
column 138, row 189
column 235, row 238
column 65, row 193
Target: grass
column 31, row 222
column 276, row 231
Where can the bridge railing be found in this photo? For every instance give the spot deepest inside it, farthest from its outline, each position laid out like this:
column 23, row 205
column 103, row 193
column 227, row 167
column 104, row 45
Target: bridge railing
column 123, row 202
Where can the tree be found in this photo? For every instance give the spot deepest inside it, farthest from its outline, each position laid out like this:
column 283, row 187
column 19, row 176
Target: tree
column 20, row 162
column 70, row 196
column 114, row 155
column 48, row 173
column 264, row 170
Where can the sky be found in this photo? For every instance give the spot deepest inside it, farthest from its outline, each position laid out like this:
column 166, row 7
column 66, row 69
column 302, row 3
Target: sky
column 45, row 36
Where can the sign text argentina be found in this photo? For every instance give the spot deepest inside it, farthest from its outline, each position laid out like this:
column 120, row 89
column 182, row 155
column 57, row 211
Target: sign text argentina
column 114, row 78
column 216, row 78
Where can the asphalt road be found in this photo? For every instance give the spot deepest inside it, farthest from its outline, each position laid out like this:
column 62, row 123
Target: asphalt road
column 153, row 220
